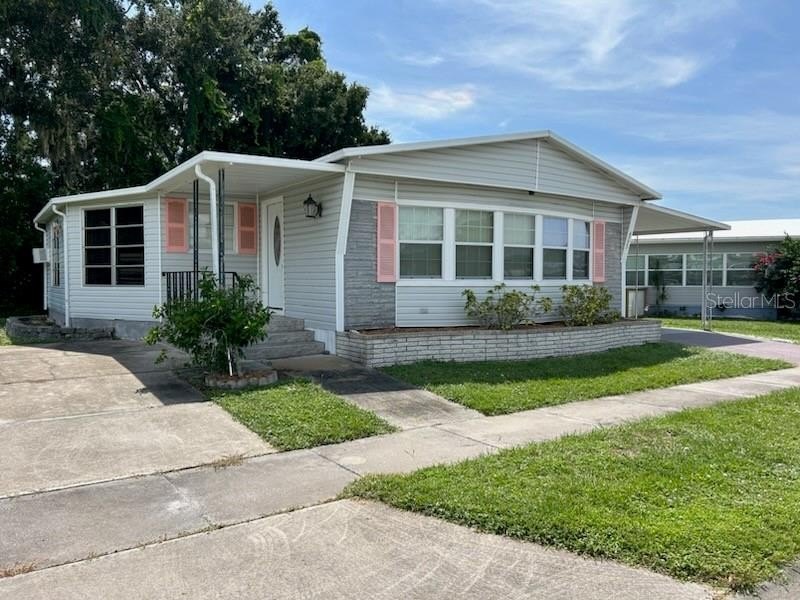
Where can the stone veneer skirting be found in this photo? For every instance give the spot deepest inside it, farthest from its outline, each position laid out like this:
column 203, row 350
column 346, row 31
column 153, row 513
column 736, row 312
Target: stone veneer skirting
column 467, row 345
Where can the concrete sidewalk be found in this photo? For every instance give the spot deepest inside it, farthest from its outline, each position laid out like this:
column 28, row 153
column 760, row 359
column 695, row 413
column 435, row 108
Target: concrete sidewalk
column 347, row 549
column 72, row 524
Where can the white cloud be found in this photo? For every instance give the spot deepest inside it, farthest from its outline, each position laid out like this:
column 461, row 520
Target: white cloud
column 429, row 105
column 421, row 60
column 589, row 44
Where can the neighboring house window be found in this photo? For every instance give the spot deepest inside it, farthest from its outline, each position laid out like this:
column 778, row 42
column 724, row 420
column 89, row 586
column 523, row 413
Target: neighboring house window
column 555, row 243
column 739, row 269
column 581, row 249
column 55, row 259
column 474, row 241
column 634, row 270
column 114, row 246
column 670, row 266
column 519, row 239
column 421, row 232
column 694, row 269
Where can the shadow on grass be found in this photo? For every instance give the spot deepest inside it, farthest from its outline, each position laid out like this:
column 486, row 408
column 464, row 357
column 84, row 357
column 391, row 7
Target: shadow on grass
column 579, row 367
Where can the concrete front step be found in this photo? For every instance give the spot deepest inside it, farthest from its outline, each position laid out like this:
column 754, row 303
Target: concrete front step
column 283, row 323
column 275, row 338
column 271, row 351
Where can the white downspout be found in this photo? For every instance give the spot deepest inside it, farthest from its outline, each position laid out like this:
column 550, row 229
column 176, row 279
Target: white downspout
column 212, row 197
column 65, row 267
column 625, row 249
column 44, row 266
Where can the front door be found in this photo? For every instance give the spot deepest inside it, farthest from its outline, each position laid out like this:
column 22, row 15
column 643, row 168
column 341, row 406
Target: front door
column 272, row 253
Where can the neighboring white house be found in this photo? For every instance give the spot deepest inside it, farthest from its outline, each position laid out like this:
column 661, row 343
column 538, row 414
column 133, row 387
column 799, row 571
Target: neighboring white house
column 403, row 229
column 677, row 259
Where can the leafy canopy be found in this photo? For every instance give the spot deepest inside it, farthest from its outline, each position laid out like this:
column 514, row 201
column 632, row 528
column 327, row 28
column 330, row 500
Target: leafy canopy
column 99, row 94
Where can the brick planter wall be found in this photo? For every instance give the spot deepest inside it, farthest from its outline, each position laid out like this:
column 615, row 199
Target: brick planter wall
column 398, row 348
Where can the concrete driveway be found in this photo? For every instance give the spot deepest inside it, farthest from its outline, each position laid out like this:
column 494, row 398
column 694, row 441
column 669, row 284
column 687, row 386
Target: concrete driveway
column 98, row 411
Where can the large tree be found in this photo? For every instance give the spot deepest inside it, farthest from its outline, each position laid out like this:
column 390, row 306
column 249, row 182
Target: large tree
column 97, row 94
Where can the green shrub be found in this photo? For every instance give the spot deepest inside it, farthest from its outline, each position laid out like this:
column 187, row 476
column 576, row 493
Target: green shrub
column 215, row 328
column 586, row 305
column 503, row 308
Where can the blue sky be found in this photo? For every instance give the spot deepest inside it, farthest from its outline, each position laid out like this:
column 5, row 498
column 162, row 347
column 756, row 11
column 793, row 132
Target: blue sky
column 700, row 100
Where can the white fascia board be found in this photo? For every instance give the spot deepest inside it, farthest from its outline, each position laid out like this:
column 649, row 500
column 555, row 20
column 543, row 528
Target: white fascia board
column 357, row 151
column 652, row 239
column 647, row 192
column 187, row 168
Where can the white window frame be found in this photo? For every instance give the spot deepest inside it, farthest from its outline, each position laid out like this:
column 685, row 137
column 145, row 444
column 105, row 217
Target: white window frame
column 113, row 208
column 573, row 249
column 443, row 243
column 527, row 246
column 725, row 268
column 493, row 271
column 448, row 277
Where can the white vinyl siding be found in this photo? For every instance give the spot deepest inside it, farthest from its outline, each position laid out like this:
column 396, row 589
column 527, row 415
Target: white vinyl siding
column 55, row 294
column 133, row 303
column 436, row 306
column 525, row 165
column 379, row 189
column 310, row 253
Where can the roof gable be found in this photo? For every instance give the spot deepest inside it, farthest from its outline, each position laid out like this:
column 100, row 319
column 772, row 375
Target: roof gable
column 537, row 161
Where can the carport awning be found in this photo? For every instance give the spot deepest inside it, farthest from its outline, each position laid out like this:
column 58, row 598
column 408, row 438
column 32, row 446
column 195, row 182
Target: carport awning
column 658, row 219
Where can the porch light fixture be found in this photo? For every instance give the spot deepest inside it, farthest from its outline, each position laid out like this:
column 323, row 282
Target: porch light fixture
column 312, row 208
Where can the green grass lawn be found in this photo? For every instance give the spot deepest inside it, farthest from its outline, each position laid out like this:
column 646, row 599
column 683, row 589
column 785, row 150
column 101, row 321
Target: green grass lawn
column 502, row 387
column 299, row 414
column 711, row 495
column 786, row 330
column 4, row 339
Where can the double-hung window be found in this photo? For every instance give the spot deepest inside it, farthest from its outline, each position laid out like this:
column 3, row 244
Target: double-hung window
column 581, row 249
column 114, row 246
column 694, row 269
column 555, row 244
column 421, row 233
column 474, row 242
column 665, row 269
column 739, row 269
column 519, row 239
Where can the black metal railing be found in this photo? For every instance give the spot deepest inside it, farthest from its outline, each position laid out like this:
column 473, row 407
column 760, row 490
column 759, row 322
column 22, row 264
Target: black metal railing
column 183, row 285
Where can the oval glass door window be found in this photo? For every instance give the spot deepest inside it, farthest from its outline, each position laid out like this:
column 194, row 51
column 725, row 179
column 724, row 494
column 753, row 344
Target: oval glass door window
column 276, row 241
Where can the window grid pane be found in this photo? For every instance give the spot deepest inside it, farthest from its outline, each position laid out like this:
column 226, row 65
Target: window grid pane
column 556, row 232
column 554, row 264
column 473, row 262
column 518, row 263
column 519, row 230
column 581, row 235
column 580, row 264
column 474, row 226
column 420, row 223
column 420, row 261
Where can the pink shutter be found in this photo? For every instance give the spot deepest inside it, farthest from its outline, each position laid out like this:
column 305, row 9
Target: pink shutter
column 598, row 251
column 246, row 228
column 176, row 224
column 387, row 242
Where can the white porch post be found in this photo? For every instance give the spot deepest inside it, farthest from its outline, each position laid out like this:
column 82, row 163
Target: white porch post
column 624, row 261
column 341, row 243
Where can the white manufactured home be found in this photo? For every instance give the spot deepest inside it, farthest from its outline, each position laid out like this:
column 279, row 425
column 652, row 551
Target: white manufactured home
column 368, row 237
column 675, row 261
